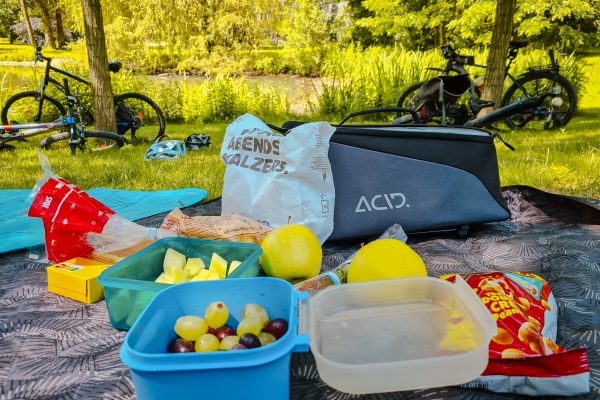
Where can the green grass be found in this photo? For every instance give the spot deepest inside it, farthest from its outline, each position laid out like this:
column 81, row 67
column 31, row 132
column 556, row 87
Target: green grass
column 566, row 161
column 124, row 168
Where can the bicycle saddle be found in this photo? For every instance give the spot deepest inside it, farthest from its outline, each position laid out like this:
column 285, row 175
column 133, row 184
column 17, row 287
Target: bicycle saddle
column 519, row 44
column 114, row 66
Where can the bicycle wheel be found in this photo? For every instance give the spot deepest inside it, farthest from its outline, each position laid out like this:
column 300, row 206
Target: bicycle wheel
column 407, row 95
column 538, row 83
column 105, row 141
column 23, row 108
column 139, row 115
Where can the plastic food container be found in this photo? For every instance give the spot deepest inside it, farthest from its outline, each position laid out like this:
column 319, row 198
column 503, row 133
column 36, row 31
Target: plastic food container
column 400, row 334
column 129, row 285
column 261, row 373
column 366, row 337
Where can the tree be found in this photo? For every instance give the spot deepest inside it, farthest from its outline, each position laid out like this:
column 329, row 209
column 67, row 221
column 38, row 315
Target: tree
column 496, row 64
column 45, row 11
column 104, row 108
column 28, row 23
column 9, row 15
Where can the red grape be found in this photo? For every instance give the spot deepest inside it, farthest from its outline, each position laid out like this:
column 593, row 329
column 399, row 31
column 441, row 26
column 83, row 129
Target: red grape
column 239, row 346
column 224, row 331
column 276, row 327
column 180, row 346
column 250, row 340
column 212, row 331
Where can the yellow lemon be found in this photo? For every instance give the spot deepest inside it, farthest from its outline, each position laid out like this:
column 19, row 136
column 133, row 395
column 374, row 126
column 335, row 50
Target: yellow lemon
column 291, row 252
column 385, row 259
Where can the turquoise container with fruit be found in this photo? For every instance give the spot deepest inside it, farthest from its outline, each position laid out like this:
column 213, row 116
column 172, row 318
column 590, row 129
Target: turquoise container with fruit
column 260, row 372
column 133, row 282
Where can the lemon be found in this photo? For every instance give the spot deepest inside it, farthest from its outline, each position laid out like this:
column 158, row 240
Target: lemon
column 385, row 259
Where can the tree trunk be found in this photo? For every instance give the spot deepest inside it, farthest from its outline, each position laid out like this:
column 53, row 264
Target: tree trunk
column 104, row 108
column 47, row 20
column 496, row 64
column 60, row 30
column 28, row 24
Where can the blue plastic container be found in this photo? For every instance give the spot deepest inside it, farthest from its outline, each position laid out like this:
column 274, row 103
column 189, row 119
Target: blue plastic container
column 129, row 285
column 261, row 373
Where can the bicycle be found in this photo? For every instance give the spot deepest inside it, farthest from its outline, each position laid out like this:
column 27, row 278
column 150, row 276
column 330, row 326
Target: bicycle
column 135, row 112
column 75, row 131
column 535, row 82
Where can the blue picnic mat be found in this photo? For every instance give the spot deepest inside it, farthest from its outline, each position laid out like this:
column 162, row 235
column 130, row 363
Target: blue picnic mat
column 18, row 231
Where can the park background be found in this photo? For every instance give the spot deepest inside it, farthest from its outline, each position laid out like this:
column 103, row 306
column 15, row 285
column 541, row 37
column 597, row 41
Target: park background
column 206, row 62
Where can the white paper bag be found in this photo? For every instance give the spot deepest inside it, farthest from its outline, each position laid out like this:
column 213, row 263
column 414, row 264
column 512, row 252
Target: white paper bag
column 272, row 178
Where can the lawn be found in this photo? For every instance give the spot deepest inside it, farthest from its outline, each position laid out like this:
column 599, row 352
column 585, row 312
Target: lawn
column 565, row 161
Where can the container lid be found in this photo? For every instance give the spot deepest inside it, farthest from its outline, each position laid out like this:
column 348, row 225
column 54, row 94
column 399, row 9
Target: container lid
column 400, row 334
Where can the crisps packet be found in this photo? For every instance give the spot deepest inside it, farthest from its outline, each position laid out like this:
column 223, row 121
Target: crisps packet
column 523, row 356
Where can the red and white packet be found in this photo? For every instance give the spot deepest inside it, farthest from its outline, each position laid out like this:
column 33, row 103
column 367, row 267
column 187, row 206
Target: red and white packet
column 523, row 356
column 72, row 219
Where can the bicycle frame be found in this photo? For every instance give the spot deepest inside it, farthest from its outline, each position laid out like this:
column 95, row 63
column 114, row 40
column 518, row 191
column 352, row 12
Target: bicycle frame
column 9, row 133
column 48, row 79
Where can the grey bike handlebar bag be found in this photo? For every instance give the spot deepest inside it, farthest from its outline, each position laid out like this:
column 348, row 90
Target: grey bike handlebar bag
column 426, row 178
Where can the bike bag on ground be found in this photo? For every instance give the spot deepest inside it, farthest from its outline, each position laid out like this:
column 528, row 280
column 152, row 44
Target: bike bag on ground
column 426, row 178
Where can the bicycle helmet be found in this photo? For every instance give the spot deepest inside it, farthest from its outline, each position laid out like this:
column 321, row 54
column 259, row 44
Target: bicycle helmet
column 196, row 142
column 166, row 150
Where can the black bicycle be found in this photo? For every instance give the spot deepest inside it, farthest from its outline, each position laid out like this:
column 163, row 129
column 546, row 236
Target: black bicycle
column 537, row 81
column 70, row 128
column 135, row 113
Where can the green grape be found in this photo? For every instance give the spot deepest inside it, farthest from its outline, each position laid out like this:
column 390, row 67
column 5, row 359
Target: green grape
column 190, row 327
column 256, row 311
column 216, row 314
column 266, row 338
column 207, row 342
column 250, row 324
column 228, row 342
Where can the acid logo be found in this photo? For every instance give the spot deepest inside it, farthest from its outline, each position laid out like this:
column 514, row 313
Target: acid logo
column 381, row 202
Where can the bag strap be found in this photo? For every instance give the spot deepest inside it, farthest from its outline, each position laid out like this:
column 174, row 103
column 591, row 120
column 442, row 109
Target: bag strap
column 414, row 114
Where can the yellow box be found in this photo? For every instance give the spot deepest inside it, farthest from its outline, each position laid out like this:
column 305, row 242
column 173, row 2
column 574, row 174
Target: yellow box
column 77, row 279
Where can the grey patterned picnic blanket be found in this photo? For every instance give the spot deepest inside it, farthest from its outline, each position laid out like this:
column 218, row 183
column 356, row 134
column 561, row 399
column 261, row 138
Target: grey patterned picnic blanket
column 52, row 347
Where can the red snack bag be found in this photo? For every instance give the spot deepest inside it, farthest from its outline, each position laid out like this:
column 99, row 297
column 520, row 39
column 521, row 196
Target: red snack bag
column 523, row 356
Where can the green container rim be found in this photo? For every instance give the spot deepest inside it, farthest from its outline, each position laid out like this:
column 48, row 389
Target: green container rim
column 135, row 284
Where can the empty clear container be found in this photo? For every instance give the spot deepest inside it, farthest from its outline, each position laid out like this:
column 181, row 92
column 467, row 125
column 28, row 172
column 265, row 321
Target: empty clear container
column 400, row 334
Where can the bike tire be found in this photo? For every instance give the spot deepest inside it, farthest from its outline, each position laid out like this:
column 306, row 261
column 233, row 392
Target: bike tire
column 116, row 140
column 407, row 94
column 534, row 118
column 139, row 115
column 19, row 106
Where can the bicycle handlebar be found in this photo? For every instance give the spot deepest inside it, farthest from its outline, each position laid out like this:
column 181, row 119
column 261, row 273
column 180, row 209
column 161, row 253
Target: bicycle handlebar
column 39, row 56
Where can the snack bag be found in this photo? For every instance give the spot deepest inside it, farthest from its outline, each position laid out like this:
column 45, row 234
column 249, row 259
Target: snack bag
column 523, row 356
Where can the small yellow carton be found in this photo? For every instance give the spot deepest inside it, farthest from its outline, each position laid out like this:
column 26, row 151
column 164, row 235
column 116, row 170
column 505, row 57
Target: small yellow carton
column 77, row 279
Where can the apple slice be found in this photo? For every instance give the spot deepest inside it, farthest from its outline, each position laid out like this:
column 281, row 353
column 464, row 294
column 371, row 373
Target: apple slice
column 233, row 266
column 202, row 275
column 173, row 259
column 212, row 275
column 194, row 265
column 219, row 265
column 163, row 278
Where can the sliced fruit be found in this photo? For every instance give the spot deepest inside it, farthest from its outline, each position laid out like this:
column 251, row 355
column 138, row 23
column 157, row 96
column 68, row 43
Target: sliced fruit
column 212, row 276
column 173, row 259
column 163, row 278
column 194, row 265
column 219, row 265
column 201, row 276
column 233, row 266
column 178, row 275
